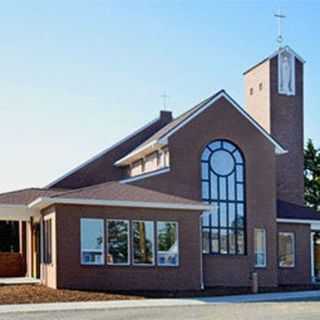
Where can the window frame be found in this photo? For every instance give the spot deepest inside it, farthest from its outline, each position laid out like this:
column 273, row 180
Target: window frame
column 128, row 242
column 103, row 251
column 47, row 241
column 178, row 244
column 256, row 230
column 213, row 196
column 153, row 245
column 293, row 237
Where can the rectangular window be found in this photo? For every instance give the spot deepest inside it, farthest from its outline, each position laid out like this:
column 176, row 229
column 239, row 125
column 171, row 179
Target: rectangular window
column 286, row 250
column 92, row 241
column 167, row 243
column 143, row 242
column 47, row 241
column 118, row 242
column 260, row 248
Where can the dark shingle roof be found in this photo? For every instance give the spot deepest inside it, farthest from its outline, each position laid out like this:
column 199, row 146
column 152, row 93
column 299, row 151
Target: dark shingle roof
column 179, row 120
column 25, row 196
column 174, row 123
column 287, row 210
column 117, row 191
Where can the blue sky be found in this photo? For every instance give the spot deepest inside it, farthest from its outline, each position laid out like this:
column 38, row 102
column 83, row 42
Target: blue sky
column 76, row 76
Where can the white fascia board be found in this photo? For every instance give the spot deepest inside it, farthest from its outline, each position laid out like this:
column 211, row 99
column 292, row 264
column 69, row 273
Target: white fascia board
column 11, row 212
column 278, row 148
column 139, row 153
column 44, row 202
column 145, row 175
column 287, row 48
column 100, row 154
column 299, row 221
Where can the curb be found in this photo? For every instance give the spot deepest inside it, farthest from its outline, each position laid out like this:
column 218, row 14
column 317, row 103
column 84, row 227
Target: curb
column 153, row 303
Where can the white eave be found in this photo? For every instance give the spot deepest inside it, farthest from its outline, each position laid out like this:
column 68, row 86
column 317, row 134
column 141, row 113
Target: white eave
column 139, row 153
column 287, row 48
column 163, row 141
column 16, row 212
column 43, row 202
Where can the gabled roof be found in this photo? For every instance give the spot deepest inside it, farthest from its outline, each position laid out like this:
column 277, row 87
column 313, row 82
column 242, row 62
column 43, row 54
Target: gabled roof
column 275, row 54
column 84, row 174
column 117, row 194
column 111, row 193
column 160, row 138
column 287, row 210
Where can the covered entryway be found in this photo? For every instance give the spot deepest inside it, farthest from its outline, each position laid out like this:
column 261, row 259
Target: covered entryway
column 20, row 242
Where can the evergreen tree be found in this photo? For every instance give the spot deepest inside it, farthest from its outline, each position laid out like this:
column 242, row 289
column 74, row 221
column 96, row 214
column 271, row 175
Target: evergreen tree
column 312, row 175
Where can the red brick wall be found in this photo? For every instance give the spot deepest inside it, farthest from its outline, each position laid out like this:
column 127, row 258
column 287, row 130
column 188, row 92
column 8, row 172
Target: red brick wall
column 11, row 264
column 71, row 274
column 301, row 273
column 287, row 128
column 222, row 121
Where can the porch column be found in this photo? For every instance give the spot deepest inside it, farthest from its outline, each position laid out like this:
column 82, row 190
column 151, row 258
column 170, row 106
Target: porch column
column 29, row 248
column 23, row 243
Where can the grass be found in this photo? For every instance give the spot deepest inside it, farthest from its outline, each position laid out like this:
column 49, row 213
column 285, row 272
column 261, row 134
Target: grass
column 18, row 294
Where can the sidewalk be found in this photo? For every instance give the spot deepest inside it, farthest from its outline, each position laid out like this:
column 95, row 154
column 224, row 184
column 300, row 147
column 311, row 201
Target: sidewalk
column 149, row 303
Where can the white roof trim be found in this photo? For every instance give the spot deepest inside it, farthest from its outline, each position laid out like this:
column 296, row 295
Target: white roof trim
column 163, row 141
column 146, row 175
column 97, row 156
column 278, row 148
column 299, row 221
column 287, row 48
column 151, row 146
column 43, row 202
column 15, row 212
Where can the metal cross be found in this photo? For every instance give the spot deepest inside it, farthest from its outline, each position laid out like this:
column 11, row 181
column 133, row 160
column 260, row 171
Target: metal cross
column 279, row 16
column 165, row 98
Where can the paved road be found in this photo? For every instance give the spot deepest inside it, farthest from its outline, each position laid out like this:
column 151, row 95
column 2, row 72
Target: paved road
column 249, row 311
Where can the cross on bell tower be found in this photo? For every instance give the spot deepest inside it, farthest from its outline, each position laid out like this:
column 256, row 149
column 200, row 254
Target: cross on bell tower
column 279, row 17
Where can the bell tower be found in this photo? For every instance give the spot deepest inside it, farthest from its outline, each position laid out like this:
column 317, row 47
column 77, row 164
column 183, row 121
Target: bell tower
column 274, row 98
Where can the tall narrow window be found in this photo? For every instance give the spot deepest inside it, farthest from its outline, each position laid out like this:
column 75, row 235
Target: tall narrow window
column 286, row 249
column 260, row 248
column 167, row 243
column 118, row 242
column 92, row 241
column 143, row 242
column 47, row 239
column 223, row 185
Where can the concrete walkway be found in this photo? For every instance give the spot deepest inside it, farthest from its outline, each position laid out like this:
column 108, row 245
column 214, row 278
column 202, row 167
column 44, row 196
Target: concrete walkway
column 18, row 280
column 153, row 303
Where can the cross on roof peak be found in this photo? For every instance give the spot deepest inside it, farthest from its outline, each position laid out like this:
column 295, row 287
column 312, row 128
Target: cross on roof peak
column 279, row 16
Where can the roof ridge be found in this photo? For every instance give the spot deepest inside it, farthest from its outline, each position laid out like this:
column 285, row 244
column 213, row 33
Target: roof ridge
column 104, row 151
column 21, row 190
column 82, row 188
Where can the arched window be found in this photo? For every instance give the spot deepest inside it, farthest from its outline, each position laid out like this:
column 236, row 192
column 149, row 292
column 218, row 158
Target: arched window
column 223, row 185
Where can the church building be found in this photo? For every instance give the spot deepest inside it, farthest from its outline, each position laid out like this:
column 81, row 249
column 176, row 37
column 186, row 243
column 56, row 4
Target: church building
column 203, row 200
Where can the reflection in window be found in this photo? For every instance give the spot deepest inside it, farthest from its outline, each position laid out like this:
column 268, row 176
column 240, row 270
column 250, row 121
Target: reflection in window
column 286, row 250
column 223, row 185
column 118, row 242
column 260, row 247
column 92, row 241
column 143, row 242
column 167, row 241
column 47, row 241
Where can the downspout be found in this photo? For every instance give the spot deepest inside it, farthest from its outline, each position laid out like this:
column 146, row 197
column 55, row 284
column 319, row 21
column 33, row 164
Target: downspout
column 201, row 255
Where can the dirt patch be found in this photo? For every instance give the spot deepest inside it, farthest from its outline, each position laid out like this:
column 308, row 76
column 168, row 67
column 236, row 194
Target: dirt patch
column 40, row 294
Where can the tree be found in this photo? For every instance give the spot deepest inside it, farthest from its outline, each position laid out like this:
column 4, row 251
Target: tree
column 312, row 176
